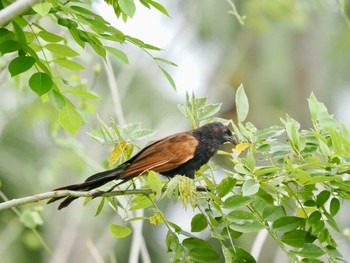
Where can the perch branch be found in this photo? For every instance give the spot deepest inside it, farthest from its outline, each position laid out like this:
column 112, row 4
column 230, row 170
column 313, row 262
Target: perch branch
column 63, row 193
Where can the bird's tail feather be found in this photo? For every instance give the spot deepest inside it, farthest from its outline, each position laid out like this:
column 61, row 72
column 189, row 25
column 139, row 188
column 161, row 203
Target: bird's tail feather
column 90, row 183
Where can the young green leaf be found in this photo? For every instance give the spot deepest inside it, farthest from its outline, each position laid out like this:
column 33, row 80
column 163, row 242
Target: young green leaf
column 169, row 78
column 60, row 50
column 70, row 119
column 250, row 187
column 242, row 104
column 31, row 218
column 20, row 65
column 68, row 64
column 118, row 54
column 128, row 7
column 155, row 184
column 119, row 231
column 100, row 206
column 50, row 37
column 159, row 7
column 208, row 110
column 40, row 83
column 57, row 99
column 198, row 223
column 42, row 8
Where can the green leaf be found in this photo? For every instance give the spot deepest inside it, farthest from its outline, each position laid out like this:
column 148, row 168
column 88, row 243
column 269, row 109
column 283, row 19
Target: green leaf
column 83, row 94
column 31, row 219
column 119, row 231
column 203, row 254
column 225, row 186
column 118, row 54
column 297, row 238
column 9, row 46
column 287, row 223
column 237, row 201
column 6, row 35
column 334, row 206
column 42, row 8
column 244, row 221
column 208, row 110
column 82, row 10
column 61, row 50
column 159, row 7
column 194, row 242
column 227, row 254
column 165, row 61
column 241, row 256
column 250, row 187
column 314, row 218
column 169, row 78
column 100, row 206
column 70, row 119
column 40, row 83
column 50, row 37
column 155, row 184
column 198, row 223
column 273, row 212
column 310, row 251
column 141, row 202
column 57, row 99
column 128, row 7
column 322, row 197
column 20, row 65
column 242, row 104
column 69, row 64
column 170, row 239
column 21, row 38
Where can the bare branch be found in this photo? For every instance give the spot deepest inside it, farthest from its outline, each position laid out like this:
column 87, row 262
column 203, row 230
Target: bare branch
column 15, row 9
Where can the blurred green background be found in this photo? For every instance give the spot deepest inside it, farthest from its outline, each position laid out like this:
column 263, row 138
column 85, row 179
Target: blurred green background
column 284, row 51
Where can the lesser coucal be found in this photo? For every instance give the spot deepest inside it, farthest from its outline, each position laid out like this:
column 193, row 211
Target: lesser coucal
column 181, row 153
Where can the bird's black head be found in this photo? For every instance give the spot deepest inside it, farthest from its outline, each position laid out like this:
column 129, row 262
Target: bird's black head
column 219, row 131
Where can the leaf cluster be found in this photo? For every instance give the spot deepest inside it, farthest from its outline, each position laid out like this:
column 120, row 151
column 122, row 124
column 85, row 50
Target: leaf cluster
column 288, row 181
column 40, row 55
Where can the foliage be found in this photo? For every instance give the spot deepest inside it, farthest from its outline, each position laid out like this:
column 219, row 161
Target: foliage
column 290, row 182
column 36, row 53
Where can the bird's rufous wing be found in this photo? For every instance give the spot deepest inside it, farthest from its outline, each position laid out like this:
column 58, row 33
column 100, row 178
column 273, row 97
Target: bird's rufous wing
column 163, row 155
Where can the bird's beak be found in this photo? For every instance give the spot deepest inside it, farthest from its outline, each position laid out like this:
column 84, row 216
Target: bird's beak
column 231, row 139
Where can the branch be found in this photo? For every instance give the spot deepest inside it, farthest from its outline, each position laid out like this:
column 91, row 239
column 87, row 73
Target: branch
column 15, row 9
column 63, row 193
column 49, row 195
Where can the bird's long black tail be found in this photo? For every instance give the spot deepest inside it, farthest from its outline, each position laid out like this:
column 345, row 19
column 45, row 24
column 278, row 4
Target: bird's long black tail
column 90, row 183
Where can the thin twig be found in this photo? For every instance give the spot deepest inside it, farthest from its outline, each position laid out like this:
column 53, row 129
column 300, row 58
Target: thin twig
column 15, row 9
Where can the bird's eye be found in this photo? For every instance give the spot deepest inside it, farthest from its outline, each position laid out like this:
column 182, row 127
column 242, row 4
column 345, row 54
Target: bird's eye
column 228, row 132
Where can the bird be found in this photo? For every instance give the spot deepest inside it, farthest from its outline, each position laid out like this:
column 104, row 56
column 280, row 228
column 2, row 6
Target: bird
column 179, row 154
